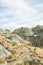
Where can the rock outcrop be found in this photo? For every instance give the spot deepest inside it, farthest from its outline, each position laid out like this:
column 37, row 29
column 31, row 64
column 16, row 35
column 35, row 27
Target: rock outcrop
column 16, row 50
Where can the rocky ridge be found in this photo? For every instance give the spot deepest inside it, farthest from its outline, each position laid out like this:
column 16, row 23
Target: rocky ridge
column 14, row 50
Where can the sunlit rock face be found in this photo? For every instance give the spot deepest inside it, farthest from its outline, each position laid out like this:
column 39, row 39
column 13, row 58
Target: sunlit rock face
column 3, row 52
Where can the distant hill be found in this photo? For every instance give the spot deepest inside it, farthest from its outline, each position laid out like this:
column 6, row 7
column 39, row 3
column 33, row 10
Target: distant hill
column 34, row 35
column 38, row 29
column 24, row 32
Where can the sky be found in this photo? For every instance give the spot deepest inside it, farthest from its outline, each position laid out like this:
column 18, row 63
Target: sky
column 20, row 13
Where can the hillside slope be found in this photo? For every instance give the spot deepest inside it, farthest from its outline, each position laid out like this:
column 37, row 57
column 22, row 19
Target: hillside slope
column 14, row 50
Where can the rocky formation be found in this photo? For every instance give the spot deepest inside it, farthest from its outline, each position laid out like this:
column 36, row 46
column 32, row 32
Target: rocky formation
column 34, row 35
column 23, row 32
column 38, row 29
column 14, row 50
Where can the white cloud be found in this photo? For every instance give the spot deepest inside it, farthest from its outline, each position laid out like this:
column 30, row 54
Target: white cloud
column 20, row 13
column 9, row 25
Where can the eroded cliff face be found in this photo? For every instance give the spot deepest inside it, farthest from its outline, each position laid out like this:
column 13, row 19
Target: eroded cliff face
column 14, row 50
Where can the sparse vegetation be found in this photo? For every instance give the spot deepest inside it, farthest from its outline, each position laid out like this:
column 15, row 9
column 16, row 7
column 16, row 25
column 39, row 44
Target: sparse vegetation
column 14, row 50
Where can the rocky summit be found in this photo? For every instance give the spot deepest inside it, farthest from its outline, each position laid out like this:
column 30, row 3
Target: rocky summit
column 23, row 46
column 34, row 35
